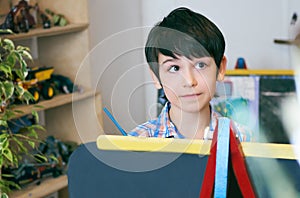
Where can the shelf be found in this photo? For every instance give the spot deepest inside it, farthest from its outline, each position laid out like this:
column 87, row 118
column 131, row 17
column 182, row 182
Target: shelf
column 58, row 100
column 46, row 187
column 287, row 42
column 64, row 48
column 246, row 72
column 41, row 32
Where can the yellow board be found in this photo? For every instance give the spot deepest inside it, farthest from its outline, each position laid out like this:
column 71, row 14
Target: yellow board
column 200, row 147
column 243, row 72
column 117, row 142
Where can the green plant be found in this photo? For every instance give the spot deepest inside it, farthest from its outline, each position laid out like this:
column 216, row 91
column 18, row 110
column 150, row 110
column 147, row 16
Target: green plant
column 13, row 68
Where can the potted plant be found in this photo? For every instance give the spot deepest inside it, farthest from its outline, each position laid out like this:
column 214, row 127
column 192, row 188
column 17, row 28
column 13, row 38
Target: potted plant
column 13, row 69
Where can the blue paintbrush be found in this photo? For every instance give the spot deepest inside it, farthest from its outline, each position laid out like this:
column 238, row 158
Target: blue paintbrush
column 114, row 121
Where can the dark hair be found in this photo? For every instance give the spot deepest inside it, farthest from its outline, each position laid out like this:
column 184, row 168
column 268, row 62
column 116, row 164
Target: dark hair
column 184, row 33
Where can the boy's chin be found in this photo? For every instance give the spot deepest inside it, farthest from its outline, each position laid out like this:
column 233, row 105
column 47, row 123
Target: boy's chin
column 192, row 108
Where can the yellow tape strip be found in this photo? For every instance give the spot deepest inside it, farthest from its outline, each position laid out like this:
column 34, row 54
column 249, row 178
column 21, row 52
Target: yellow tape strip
column 117, row 142
column 200, row 147
column 268, row 150
column 274, row 72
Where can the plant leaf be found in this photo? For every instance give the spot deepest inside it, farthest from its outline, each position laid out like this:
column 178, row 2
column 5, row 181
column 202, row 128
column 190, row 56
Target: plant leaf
column 35, row 116
column 2, row 89
column 3, row 123
column 5, row 144
column 18, row 111
column 8, row 155
column 23, row 48
column 33, row 133
column 6, row 69
column 24, row 67
column 17, row 55
column 19, row 90
column 53, row 158
column 6, row 31
column 10, row 44
column 20, row 74
column 3, row 136
column 27, row 96
column 11, row 60
column 20, row 144
column 37, row 126
column 4, row 195
column 40, row 157
column 7, row 175
column 25, row 53
column 1, row 159
column 9, row 89
column 32, row 144
column 38, row 106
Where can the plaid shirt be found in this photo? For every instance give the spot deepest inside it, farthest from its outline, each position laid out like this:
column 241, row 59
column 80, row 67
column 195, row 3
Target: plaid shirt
column 163, row 127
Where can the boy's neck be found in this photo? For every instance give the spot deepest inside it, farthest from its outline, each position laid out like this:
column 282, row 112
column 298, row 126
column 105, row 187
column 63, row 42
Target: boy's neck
column 191, row 125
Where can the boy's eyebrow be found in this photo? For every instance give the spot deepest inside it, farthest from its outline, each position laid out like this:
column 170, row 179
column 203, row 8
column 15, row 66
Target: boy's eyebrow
column 170, row 59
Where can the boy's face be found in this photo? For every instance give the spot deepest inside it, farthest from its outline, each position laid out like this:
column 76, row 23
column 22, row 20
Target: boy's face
column 189, row 84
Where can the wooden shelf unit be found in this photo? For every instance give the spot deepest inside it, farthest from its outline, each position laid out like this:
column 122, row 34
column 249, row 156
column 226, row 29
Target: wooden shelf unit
column 57, row 101
column 53, row 31
column 65, row 49
column 71, row 117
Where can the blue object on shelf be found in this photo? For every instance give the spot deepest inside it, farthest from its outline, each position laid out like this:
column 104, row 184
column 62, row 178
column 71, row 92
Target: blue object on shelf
column 240, row 64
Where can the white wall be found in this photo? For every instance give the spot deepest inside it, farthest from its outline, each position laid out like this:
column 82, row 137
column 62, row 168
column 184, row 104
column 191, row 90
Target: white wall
column 117, row 59
column 249, row 28
column 294, row 6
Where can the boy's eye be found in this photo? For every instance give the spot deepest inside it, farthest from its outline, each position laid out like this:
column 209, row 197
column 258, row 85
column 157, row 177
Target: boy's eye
column 200, row 65
column 174, row 68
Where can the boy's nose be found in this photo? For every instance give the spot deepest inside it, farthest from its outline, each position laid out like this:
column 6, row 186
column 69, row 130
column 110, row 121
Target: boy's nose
column 189, row 79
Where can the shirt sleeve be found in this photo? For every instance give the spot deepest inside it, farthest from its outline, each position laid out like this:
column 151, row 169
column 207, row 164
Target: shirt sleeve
column 142, row 130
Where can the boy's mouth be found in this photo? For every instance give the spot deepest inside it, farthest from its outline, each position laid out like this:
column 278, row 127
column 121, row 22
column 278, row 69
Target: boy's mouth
column 191, row 95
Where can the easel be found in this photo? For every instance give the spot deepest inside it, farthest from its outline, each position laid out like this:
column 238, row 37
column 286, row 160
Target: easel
column 120, row 166
column 225, row 146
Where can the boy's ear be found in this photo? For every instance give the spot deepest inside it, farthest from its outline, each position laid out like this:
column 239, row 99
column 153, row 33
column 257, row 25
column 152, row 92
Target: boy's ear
column 222, row 69
column 155, row 80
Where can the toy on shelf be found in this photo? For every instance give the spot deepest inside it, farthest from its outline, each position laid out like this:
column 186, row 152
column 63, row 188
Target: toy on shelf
column 63, row 84
column 28, row 173
column 42, row 17
column 57, row 19
column 240, row 64
column 19, row 18
column 34, row 170
column 45, row 20
column 38, row 83
column 42, row 83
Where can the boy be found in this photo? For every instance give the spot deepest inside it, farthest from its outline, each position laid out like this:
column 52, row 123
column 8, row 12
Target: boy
column 185, row 52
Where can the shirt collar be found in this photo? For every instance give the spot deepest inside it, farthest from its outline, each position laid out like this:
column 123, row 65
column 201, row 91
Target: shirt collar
column 166, row 126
